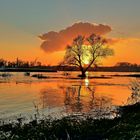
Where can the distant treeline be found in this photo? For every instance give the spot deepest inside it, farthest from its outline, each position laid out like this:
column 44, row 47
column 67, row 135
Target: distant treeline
column 18, row 63
column 38, row 66
column 119, row 67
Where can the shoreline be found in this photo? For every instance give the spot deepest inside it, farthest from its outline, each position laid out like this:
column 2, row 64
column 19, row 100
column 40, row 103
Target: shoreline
column 26, row 70
column 125, row 126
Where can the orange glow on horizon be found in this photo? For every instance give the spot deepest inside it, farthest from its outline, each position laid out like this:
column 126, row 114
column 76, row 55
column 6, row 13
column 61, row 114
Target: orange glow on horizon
column 126, row 50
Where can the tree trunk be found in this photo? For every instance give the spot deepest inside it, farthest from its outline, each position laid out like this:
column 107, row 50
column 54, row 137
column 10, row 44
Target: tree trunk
column 83, row 74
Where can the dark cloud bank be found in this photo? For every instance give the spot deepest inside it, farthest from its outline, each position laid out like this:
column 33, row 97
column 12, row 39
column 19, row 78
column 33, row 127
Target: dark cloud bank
column 57, row 41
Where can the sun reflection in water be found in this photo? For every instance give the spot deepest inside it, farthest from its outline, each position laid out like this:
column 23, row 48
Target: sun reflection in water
column 86, row 73
column 86, row 82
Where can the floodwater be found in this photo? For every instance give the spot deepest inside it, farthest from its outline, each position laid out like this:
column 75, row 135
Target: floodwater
column 24, row 95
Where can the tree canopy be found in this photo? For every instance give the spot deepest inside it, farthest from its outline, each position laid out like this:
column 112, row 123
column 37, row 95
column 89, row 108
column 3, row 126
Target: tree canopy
column 86, row 52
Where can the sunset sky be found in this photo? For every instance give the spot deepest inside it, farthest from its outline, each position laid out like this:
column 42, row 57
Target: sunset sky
column 23, row 21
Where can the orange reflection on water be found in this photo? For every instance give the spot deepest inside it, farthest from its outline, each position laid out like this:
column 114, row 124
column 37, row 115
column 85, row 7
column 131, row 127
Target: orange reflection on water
column 119, row 94
column 75, row 95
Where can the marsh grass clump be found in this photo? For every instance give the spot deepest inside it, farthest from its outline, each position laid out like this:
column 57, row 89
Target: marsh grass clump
column 127, row 126
column 135, row 92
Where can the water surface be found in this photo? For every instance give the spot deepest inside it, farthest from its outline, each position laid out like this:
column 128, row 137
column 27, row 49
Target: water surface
column 21, row 94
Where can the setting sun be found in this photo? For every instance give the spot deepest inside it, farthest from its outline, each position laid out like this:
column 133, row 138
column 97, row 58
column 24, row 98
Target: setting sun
column 86, row 61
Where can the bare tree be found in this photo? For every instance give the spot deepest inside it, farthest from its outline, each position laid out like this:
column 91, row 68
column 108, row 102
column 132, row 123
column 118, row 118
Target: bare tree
column 2, row 62
column 85, row 52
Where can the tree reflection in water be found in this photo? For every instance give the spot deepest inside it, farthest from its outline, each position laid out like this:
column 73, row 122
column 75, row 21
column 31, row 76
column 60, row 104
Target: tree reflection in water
column 77, row 98
column 76, row 101
column 72, row 99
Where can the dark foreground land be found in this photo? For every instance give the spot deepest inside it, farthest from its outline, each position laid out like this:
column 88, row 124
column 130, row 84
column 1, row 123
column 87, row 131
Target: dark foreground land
column 125, row 127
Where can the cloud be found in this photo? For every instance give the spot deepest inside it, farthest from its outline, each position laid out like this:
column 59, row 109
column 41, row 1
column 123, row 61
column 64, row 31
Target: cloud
column 57, row 41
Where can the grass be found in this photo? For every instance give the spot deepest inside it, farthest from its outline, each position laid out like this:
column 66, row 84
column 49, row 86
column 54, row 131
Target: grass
column 125, row 127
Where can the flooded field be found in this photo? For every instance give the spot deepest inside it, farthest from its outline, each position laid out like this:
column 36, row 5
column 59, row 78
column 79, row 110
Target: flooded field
column 24, row 95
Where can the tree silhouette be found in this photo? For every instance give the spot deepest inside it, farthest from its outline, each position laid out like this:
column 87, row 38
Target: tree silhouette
column 85, row 52
column 3, row 62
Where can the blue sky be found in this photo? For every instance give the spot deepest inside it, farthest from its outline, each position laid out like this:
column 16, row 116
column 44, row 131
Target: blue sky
column 37, row 16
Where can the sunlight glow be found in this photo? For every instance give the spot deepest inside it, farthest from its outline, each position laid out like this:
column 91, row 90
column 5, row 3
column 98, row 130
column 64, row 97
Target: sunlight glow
column 86, row 82
column 86, row 61
column 86, row 73
column 86, row 57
